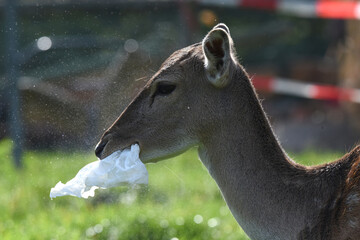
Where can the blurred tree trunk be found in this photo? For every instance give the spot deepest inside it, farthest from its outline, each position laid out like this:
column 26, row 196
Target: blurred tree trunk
column 349, row 59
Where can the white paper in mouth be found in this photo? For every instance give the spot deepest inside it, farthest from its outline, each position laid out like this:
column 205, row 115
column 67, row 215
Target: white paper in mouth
column 120, row 168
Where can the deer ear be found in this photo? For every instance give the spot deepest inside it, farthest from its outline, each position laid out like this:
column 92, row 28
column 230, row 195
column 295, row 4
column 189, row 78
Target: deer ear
column 217, row 47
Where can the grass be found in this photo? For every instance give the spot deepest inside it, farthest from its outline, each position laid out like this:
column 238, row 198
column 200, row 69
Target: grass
column 181, row 201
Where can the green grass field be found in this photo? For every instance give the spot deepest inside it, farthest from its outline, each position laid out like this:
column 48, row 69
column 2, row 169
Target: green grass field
column 181, row 201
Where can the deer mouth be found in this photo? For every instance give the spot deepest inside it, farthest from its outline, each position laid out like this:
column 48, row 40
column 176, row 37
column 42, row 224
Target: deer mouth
column 102, row 151
column 99, row 148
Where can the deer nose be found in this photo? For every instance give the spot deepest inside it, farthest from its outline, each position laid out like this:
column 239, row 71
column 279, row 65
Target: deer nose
column 99, row 148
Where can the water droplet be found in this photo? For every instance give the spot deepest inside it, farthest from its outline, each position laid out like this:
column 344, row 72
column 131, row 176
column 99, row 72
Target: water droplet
column 131, row 45
column 164, row 223
column 198, row 219
column 90, row 232
column 44, row 43
column 213, row 222
column 98, row 228
column 105, row 222
column 179, row 221
column 223, row 210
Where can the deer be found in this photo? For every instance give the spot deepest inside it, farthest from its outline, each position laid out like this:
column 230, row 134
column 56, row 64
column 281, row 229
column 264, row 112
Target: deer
column 202, row 96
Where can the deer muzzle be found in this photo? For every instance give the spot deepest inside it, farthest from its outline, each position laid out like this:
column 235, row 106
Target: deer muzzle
column 100, row 148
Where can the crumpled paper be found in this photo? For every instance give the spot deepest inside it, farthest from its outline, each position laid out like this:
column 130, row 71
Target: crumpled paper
column 120, row 168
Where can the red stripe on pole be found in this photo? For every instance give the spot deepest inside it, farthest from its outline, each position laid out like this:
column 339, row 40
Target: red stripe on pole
column 263, row 83
column 259, row 4
column 336, row 9
column 332, row 93
column 346, row 94
column 326, row 92
column 313, row 91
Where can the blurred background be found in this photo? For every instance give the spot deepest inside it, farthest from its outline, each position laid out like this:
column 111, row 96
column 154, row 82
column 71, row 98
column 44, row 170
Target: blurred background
column 68, row 68
column 79, row 63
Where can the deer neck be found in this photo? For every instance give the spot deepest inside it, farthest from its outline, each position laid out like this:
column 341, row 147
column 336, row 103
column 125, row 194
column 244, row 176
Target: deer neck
column 267, row 193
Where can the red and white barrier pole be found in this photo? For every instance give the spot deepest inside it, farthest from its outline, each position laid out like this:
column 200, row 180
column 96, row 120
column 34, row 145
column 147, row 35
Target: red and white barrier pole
column 322, row 8
column 305, row 90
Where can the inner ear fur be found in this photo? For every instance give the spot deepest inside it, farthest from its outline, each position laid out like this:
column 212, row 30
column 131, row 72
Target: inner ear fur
column 217, row 47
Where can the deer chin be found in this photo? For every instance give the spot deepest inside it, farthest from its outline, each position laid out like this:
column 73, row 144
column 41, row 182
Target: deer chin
column 155, row 156
column 159, row 154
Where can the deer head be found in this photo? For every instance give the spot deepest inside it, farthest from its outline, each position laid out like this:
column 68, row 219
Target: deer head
column 179, row 106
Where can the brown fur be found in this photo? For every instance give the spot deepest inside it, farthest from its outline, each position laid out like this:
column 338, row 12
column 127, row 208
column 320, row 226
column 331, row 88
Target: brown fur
column 214, row 106
column 347, row 211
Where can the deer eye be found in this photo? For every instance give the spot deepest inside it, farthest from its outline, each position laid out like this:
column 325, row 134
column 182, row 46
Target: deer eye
column 164, row 88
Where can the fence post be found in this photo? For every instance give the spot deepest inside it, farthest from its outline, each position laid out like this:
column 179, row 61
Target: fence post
column 12, row 76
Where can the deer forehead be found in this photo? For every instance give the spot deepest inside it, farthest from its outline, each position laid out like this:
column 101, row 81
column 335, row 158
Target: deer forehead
column 180, row 57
